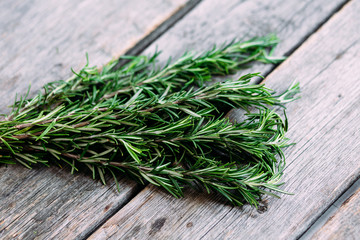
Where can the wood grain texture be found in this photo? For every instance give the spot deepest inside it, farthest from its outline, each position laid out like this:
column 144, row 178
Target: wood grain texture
column 40, row 40
column 53, row 204
column 322, row 165
column 216, row 22
column 345, row 222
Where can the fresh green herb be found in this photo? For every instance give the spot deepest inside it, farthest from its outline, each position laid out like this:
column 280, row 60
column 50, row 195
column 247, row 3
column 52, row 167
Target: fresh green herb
column 163, row 126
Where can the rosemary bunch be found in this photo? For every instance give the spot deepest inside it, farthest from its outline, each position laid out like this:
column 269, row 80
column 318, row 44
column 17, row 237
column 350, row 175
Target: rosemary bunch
column 160, row 125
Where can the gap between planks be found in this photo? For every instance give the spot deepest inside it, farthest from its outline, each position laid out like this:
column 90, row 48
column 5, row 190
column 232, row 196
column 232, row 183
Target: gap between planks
column 158, row 31
column 306, row 37
column 344, row 224
column 331, row 211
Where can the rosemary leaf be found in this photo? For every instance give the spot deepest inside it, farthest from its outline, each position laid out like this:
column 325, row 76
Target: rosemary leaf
column 162, row 126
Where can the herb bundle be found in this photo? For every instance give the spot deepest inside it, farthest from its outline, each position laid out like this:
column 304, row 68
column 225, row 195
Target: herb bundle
column 165, row 126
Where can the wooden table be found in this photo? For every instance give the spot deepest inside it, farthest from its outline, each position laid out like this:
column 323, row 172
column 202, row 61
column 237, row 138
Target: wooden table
column 41, row 39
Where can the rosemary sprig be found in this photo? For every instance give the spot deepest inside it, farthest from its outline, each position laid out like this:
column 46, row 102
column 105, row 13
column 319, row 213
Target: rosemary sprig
column 162, row 126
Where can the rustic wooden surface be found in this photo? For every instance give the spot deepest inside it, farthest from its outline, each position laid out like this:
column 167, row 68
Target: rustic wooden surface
column 216, row 22
column 322, row 165
column 49, row 203
column 40, row 41
column 345, row 223
column 323, row 123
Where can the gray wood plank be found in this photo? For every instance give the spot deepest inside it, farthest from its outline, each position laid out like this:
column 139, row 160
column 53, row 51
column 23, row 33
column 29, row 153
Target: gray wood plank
column 50, row 203
column 344, row 224
column 322, row 165
column 40, row 41
column 216, row 22
column 330, row 212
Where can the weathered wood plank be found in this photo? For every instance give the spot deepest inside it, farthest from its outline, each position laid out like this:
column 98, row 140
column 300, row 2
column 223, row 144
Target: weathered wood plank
column 216, row 22
column 330, row 211
column 345, row 223
column 53, row 204
column 40, row 41
column 323, row 163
